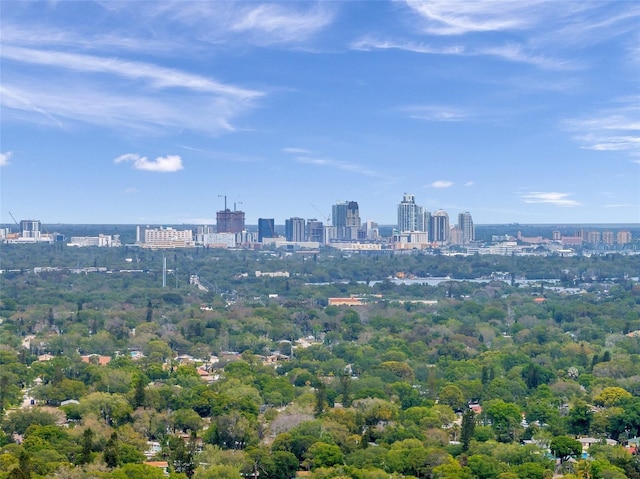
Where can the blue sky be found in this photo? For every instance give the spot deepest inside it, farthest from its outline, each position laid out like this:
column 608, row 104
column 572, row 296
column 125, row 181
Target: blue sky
column 144, row 112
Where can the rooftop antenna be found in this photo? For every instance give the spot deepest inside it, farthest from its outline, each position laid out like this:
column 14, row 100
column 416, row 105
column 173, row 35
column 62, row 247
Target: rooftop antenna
column 225, row 201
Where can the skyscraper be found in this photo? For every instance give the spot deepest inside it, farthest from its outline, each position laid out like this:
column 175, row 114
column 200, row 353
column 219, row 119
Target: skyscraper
column 30, row 228
column 439, row 227
column 266, row 228
column 228, row 221
column 411, row 217
column 465, row 223
column 294, row 229
column 346, row 218
column 315, row 230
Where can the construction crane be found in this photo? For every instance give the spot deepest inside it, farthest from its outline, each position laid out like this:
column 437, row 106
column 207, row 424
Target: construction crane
column 322, row 215
column 14, row 219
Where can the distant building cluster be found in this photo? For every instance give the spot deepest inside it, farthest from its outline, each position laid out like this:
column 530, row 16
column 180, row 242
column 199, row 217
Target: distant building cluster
column 30, row 231
column 417, row 228
column 100, row 241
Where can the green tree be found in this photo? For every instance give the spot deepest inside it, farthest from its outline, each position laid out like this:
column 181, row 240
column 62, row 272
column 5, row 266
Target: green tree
column 505, row 419
column 564, row 447
column 452, row 396
column 322, row 454
column 87, row 446
column 111, row 451
column 468, row 427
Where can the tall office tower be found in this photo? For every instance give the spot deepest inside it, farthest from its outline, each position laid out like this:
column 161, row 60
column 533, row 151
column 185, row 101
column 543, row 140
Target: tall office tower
column 410, row 216
column 228, row 221
column 30, row 228
column 439, row 227
column 346, row 219
column 315, row 230
column 465, row 223
column 294, row 229
column 266, row 228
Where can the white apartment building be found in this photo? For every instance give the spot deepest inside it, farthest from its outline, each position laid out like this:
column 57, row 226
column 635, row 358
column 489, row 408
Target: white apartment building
column 166, row 238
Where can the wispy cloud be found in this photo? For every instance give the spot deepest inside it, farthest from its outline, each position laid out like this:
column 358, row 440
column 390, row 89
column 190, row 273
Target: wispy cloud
column 237, row 23
column 131, row 190
column 435, row 113
column 162, row 164
column 551, row 198
column 519, row 54
column 296, row 151
column 155, row 76
column 616, row 129
column 443, row 17
column 4, row 158
column 118, row 93
column 340, row 165
column 441, row 184
column 469, row 183
column 539, row 30
column 304, row 156
column 512, row 52
column 368, row 44
column 280, row 23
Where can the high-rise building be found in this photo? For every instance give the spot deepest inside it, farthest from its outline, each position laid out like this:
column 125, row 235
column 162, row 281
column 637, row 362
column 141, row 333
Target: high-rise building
column 315, row 230
column 30, row 228
column 346, row 219
column 294, row 229
column 439, row 231
column 608, row 237
column 593, row 237
column 468, row 231
column 623, row 237
column 266, row 228
column 411, row 217
column 228, row 221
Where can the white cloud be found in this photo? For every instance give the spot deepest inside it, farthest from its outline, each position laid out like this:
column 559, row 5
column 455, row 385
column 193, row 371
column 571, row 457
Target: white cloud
column 156, row 76
column 117, row 93
column 368, row 44
column 302, row 155
column 518, row 54
column 340, row 165
column 615, row 129
column 552, row 198
column 4, row 158
column 444, row 17
column 162, row 164
column 131, row 190
column 279, row 23
column 469, row 183
column 296, row 151
column 436, row 113
column 511, row 52
column 441, row 184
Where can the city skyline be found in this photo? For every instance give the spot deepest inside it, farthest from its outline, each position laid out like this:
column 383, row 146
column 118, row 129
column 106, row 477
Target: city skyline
column 150, row 112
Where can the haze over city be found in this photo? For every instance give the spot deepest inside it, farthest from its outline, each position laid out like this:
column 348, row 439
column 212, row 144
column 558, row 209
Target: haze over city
column 151, row 112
